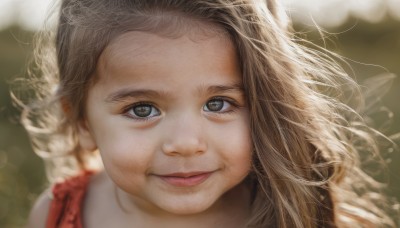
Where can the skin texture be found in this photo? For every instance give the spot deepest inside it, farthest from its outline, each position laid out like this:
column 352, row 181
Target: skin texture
column 178, row 80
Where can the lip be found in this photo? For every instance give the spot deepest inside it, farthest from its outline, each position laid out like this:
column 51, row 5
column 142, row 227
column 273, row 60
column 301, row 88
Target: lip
column 189, row 179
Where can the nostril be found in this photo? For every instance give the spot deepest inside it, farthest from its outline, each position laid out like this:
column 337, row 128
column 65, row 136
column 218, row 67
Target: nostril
column 184, row 147
column 185, row 135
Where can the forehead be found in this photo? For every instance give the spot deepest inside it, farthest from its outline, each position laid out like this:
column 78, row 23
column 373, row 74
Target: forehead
column 168, row 26
column 172, row 28
column 141, row 44
column 180, row 66
column 151, row 51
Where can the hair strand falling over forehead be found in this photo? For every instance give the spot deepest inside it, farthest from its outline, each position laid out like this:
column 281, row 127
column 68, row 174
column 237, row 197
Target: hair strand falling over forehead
column 307, row 143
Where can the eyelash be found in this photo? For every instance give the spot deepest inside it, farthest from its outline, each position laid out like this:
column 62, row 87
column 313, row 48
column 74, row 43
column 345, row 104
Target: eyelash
column 130, row 107
column 235, row 106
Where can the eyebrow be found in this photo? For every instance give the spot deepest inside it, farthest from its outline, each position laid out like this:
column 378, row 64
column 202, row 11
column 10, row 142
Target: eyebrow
column 124, row 94
column 223, row 88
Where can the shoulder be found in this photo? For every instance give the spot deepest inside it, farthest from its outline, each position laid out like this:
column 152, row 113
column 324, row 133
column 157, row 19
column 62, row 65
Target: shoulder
column 64, row 197
column 39, row 211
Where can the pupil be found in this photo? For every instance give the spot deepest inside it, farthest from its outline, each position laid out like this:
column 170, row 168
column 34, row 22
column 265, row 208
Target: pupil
column 215, row 105
column 142, row 110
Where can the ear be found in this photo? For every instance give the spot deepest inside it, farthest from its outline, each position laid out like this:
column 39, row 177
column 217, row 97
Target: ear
column 86, row 139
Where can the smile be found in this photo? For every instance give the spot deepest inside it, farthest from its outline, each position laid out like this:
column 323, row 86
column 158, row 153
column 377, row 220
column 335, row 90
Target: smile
column 185, row 179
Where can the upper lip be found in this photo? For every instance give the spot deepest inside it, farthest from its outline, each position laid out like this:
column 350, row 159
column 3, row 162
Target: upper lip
column 185, row 174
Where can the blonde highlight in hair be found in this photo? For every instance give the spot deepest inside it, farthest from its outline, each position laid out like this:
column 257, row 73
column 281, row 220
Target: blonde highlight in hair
column 307, row 142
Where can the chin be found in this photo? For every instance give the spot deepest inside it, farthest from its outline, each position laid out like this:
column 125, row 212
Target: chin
column 186, row 210
column 186, row 207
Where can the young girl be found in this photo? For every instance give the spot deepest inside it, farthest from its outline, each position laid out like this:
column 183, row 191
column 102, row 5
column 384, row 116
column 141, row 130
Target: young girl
column 204, row 114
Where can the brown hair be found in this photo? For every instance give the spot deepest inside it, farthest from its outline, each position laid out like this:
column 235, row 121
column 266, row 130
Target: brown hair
column 306, row 165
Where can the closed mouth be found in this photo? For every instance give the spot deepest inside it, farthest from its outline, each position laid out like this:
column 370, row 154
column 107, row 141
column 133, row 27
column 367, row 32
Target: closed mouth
column 185, row 179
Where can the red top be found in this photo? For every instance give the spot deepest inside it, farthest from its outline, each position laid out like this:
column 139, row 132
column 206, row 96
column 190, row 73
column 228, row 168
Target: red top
column 65, row 209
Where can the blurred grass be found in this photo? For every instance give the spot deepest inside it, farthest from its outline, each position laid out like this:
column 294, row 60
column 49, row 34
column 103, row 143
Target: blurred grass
column 371, row 50
column 21, row 171
column 22, row 175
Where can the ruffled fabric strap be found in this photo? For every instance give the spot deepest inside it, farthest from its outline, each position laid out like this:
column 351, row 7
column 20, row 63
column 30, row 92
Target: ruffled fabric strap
column 65, row 209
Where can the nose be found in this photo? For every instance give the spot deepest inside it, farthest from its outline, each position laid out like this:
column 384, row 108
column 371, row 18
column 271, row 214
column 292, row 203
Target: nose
column 185, row 137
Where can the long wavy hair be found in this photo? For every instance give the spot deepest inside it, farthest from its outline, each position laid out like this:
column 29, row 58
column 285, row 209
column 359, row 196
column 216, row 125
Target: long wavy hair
column 307, row 141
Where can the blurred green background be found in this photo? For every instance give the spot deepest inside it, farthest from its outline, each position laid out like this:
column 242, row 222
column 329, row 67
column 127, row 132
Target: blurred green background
column 22, row 175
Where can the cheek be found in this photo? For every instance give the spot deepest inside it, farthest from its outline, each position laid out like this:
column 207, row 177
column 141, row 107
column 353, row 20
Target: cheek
column 126, row 160
column 239, row 154
column 234, row 142
column 125, row 150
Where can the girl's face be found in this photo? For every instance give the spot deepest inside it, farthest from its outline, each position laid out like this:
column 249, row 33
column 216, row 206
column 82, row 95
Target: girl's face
column 170, row 120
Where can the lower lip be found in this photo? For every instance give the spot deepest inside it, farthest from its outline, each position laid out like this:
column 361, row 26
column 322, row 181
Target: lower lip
column 186, row 181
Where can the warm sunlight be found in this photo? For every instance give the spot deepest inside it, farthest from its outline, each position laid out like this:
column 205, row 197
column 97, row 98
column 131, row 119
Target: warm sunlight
column 30, row 14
